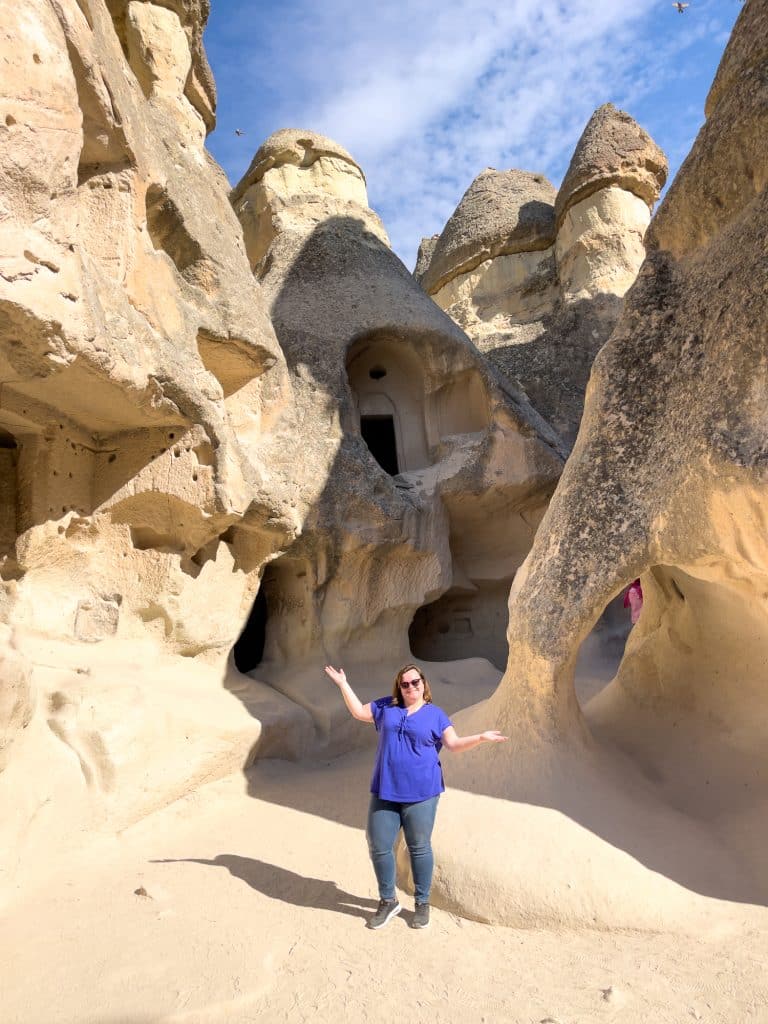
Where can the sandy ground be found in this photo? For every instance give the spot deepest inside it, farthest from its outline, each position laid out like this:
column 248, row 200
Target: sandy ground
column 247, row 900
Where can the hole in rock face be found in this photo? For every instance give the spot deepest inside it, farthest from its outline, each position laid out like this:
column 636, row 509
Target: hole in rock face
column 9, row 492
column 688, row 704
column 379, row 434
column 463, row 624
column 601, row 652
column 386, row 377
column 249, row 648
column 280, row 626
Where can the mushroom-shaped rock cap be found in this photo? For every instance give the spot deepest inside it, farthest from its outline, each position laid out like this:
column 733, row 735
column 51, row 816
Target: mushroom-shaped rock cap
column 613, row 150
column 501, row 212
column 290, row 146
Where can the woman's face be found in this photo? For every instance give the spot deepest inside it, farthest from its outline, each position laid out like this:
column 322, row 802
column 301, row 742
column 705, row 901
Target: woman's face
column 412, row 688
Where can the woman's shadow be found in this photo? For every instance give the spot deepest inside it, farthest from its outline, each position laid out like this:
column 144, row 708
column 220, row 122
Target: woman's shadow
column 281, row 884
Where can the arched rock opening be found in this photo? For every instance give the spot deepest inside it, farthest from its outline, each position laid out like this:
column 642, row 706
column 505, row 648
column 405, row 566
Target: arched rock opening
column 464, row 624
column 601, row 652
column 689, row 702
column 387, row 380
column 280, row 626
column 249, row 647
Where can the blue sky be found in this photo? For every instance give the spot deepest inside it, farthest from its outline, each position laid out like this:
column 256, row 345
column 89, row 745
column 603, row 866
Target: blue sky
column 427, row 93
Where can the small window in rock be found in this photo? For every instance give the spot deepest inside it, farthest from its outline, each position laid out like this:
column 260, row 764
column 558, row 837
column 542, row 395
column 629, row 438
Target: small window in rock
column 379, row 434
column 377, row 372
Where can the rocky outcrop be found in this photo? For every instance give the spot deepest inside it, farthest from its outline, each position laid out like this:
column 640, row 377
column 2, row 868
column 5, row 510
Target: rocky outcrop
column 536, row 277
column 170, row 469
column 142, row 389
column 666, row 482
column 502, row 212
column 613, row 152
column 135, row 348
column 398, row 521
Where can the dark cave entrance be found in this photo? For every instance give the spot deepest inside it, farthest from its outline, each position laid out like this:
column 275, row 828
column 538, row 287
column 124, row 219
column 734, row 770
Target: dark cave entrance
column 249, row 647
column 379, row 434
column 9, row 486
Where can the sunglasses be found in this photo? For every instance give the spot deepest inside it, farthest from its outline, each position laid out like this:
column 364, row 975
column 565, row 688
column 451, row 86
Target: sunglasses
column 406, row 684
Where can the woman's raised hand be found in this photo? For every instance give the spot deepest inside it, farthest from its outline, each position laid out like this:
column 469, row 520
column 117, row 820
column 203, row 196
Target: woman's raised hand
column 336, row 674
column 493, row 736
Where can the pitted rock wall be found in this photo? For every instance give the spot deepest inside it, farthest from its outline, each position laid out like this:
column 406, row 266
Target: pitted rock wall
column 143, row 415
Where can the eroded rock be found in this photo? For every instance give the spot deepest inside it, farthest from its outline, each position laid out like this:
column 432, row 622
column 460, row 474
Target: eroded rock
column 666, row 482
column 417, row 447
column 536, row 277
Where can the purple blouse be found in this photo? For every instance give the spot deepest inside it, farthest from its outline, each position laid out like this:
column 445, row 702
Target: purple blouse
column 407, row 767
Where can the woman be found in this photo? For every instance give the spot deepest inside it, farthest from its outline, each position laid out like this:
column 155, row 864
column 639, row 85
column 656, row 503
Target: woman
column 407, row 781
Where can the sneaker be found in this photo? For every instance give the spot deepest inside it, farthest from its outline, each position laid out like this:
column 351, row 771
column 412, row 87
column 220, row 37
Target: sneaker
column 387, row 910
column 421, row 916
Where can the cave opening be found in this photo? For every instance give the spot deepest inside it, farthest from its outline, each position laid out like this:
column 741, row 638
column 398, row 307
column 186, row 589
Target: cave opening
column 378, row 432
column 386, row 378
column 9, row 493
column 249, row 647
column 464, row 623
column 602, row 650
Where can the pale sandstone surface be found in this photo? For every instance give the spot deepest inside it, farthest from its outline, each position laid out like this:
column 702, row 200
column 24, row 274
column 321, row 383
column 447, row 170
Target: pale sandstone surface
column 666, row 482
column 179, row 442
column 159, row 452
column 424, row 255
column 536, row 277
column 143, row 407
column 475, row 464
column 255, row 908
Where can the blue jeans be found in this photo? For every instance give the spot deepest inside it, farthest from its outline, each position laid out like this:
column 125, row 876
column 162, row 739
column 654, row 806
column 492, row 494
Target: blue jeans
column 385, row 819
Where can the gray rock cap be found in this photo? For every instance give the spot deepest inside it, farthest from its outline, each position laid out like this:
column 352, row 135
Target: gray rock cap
column 501, row 212
column 613, row 150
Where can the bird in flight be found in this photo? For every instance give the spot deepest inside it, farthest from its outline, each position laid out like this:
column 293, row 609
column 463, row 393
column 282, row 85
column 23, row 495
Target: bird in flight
column 680, row 6
column 239, row 131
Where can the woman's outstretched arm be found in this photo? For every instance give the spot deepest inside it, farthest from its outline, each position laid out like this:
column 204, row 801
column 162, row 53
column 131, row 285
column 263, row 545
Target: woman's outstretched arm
column 362, row 712
column 461, row 744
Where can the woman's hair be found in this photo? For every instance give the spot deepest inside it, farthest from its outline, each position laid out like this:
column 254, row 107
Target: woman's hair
column 397, row 693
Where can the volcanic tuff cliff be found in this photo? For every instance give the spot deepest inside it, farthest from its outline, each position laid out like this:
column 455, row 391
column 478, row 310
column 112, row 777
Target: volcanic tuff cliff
column 239, row 440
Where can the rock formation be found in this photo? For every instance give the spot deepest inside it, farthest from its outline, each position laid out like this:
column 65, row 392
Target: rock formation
column 208, row 424
column 161, row 447
column 416, row 446
column 141, row 380
column 536, row 277
column 666, row 482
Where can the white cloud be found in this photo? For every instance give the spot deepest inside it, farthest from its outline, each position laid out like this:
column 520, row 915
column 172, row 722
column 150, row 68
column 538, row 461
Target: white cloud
column 425, row 94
